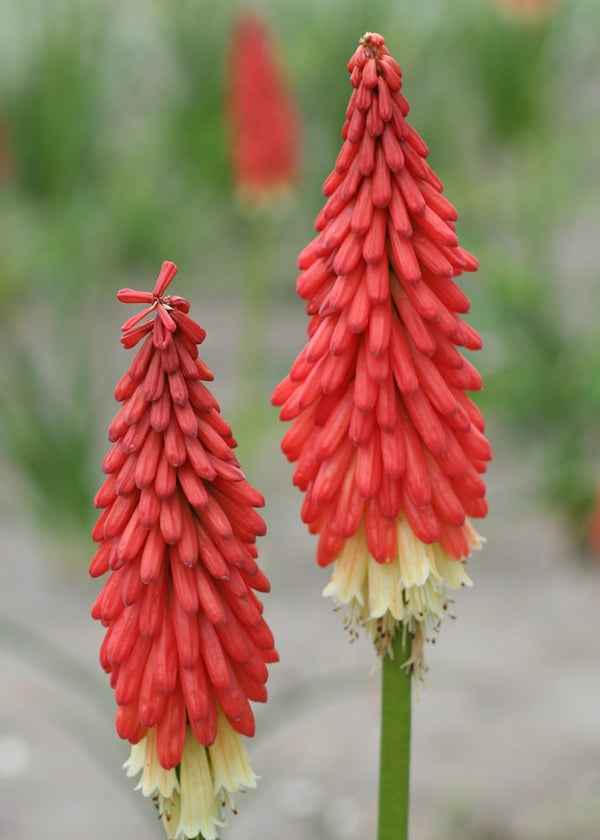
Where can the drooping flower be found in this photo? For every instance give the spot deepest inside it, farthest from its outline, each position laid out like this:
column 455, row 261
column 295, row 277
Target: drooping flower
column 186, row 645
column 263, row 119
column 389, row 446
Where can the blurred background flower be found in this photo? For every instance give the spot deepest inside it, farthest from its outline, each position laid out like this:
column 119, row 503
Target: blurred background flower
column 115, row 133
column 263, row 124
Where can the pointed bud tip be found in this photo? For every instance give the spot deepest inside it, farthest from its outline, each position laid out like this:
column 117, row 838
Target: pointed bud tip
column 167, row 273
column 372, row 40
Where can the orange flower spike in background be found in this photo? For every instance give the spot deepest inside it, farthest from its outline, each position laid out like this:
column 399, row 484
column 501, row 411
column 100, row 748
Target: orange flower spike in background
column 389, row 447
column 530, row 9
column 263, row 118
column 186, row 646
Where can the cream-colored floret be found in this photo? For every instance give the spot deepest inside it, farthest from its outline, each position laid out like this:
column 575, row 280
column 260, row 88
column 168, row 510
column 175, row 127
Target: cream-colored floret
column 154, row 777
column 192, row 800
column 229, row 760
column 412, row 590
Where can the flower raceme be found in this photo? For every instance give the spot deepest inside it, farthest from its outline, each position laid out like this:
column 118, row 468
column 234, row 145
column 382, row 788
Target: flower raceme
column 186, row 645
column 262, row 115
column 389, row 446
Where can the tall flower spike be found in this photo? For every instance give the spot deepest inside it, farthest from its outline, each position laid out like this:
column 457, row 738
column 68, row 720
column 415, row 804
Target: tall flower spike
column 263, row 119
column 389, row 447
column 186, row 645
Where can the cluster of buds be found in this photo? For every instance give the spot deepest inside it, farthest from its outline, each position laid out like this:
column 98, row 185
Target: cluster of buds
column 186, row 645
column 389, row 446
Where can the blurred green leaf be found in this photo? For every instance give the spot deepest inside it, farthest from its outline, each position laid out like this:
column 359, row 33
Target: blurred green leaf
column 51, row 99
column 47, row 433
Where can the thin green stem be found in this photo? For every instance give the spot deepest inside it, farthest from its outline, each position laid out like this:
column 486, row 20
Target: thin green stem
column 250, row 408
column 256, row 302
column 394, row 767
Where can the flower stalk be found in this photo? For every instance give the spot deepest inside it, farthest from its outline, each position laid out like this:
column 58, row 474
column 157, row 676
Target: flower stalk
column 394, row 756
column 255, row 316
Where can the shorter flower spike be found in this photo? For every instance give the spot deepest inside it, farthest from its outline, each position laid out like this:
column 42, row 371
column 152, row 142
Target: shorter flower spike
column 389, row 447
column 186, row 645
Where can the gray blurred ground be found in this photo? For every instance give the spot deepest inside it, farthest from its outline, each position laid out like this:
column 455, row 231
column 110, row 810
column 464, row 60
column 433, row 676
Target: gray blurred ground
column 506, row 739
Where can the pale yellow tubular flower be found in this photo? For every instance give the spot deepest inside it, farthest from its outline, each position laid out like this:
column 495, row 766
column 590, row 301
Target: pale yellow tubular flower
column 414, row 557
column 154, row 777
column 169, row 808
column 410, row 592
column 229, row 762
column 137, row 757
column 453, row 572
column 384, row 590
column 186, row 805
column 199, row 809
column 208, row 778
column 348, row 579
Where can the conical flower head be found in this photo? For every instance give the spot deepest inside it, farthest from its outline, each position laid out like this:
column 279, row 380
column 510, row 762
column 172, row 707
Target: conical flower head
column 263, row 119
column 186, row 645
column 389, row 446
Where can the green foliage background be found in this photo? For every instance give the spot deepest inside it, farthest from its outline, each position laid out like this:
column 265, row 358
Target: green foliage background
column 114, row 131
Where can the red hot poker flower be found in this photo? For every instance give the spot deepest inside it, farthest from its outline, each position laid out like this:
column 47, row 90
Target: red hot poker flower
column 262, row 115
column 389, row 447
column 186, row 646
